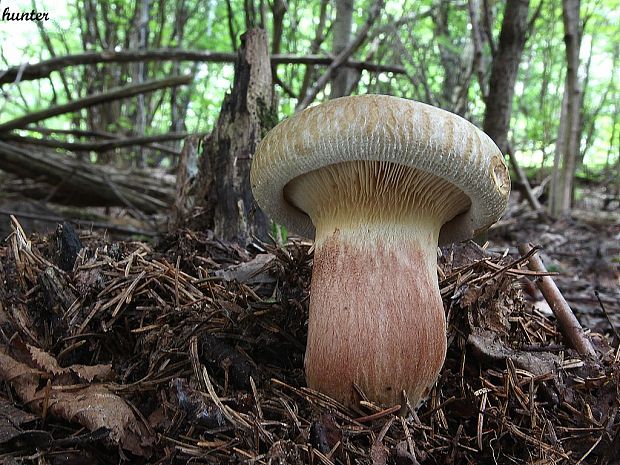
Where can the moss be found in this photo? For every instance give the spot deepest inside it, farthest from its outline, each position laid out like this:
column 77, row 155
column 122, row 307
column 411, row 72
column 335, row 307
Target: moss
column 267, row 116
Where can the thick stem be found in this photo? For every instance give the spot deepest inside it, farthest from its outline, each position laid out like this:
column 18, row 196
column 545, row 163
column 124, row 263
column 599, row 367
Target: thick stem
column 376, row 315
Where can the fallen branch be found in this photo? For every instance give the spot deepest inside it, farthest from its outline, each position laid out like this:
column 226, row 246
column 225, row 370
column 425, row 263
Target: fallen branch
column 95, row 99
column 569, row 325
column 101, row 146
column 43, row 69
column 97, row 134
column 529, row 193
column 85, row 224
column 82, row 183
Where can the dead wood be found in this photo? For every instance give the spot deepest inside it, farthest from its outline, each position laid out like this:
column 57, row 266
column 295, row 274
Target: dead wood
column 187, row 169
column 95, row 99
column 568, row 323
column 43, row 69
column 100, row 146
column 82, row 183
column 223, row 181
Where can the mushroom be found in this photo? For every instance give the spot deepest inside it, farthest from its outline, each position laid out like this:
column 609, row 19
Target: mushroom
column 379, row 181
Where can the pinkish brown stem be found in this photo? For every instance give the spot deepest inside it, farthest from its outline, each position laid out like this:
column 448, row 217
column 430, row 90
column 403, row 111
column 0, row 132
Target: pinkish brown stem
column 376, row 315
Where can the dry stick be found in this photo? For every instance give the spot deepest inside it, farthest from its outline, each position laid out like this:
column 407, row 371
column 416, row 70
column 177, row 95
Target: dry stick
column 342, row 56
column 569, row 325
column 43, row 69
column 92, row 100
column 531, row 198
column 616, row 339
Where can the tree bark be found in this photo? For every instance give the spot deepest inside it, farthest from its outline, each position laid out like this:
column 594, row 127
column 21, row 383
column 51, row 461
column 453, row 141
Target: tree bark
column 342, row 35
column 569, row 135
column 223, row 181
column 504, row 71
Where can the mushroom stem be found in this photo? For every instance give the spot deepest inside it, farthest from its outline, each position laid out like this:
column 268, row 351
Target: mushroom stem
column 376, row 315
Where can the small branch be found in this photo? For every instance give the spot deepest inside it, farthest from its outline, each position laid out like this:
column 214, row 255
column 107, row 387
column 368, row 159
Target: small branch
column 568, row 324
column 535, row 16
column 287, row 90
column 529, row 193
column 616, row 340
column 92, row 100
column 342, row 56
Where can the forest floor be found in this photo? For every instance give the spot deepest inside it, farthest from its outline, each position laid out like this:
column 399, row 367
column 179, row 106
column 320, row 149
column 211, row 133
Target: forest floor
column 192, row 350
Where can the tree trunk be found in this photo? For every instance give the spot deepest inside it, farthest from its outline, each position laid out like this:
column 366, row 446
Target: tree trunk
column 223, row 181
column 455, row 61
column 504, row 72
column 342, row 35
column 569, row 135
column 140, row 42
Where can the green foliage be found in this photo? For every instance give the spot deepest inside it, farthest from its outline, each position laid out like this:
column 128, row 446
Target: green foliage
column 279, row 233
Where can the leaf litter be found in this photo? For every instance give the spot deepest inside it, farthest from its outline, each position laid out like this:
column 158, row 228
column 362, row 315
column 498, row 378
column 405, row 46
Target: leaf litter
column 193, row 351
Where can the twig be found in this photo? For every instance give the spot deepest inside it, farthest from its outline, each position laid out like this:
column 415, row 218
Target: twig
column 381, row 414
column 613, row 328
column 568, row 324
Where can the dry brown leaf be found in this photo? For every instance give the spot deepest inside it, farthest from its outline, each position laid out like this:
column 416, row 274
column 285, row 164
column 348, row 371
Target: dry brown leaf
column 96, row 407
column 488, row 346
column 93, row 372
column 23, row 378
column 93, row 406
column 45, row 361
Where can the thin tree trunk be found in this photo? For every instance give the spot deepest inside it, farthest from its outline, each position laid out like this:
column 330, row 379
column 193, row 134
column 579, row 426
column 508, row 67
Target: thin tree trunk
column 140, row 38
column 342, row 35
column 343, row 56
column 504, row 71
column 569, row 136
column 555, row 199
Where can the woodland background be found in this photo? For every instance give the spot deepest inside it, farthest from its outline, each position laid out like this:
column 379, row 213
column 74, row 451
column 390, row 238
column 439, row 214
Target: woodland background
column 540, row 77
column 154, row 326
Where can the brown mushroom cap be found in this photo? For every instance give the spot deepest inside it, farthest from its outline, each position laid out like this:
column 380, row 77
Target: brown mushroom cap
column 385, row 129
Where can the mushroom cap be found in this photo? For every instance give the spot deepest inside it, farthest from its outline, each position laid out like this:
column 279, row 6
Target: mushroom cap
column 382, row 128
